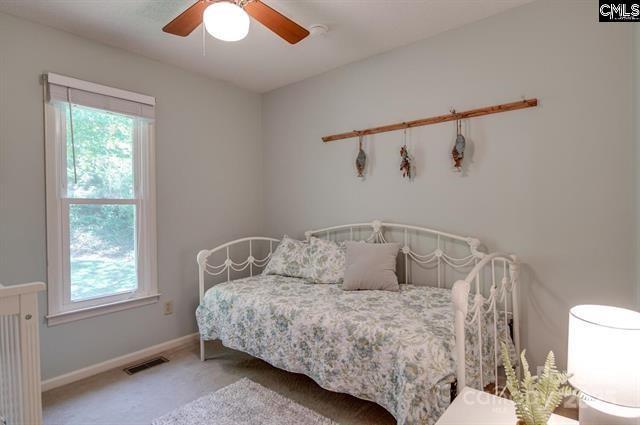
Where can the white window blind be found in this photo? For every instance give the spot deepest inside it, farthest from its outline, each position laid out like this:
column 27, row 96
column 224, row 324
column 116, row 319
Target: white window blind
column 66, row 89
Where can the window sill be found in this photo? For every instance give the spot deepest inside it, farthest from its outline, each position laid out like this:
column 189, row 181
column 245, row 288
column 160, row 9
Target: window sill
column 85, row 313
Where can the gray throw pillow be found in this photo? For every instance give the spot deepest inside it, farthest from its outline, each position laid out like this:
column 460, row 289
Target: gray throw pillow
column 371, row 266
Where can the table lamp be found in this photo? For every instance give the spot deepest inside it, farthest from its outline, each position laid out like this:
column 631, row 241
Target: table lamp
column 604, row 363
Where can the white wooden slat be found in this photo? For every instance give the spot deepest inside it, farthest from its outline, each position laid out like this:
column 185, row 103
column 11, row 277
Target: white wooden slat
column 30, row 360
column 11, row 402
column 20, row 399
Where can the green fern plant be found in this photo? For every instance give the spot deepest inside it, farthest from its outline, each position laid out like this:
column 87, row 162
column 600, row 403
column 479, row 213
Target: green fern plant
column 536, row 397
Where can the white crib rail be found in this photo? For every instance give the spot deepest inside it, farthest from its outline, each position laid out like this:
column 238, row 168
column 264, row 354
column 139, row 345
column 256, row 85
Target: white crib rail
column 20, row 400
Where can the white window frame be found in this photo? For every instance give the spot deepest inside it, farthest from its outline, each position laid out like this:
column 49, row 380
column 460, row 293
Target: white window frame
column 61, row 308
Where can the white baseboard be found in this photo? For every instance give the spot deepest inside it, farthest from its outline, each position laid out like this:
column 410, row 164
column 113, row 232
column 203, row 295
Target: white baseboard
column 127, row 359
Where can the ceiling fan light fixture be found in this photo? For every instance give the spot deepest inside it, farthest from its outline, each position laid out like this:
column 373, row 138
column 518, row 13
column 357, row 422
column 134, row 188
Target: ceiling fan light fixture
column 226, row 21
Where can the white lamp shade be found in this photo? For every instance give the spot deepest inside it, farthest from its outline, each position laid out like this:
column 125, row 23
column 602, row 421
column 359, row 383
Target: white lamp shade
column 604, row 358
column 226, row 21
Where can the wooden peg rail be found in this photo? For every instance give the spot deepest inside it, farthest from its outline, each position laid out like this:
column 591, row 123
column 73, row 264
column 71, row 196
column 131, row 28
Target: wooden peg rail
column 487, row 110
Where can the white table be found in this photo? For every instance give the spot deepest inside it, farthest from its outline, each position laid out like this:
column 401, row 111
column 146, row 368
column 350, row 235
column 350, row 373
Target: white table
column 473, row 407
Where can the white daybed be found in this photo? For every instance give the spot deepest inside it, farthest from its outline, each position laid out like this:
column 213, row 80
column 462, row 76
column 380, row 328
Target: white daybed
column 406, row 351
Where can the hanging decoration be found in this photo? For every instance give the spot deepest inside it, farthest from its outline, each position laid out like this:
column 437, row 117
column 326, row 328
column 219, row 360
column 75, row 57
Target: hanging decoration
column 361, row 159
column 406, row 160
column 457, row 154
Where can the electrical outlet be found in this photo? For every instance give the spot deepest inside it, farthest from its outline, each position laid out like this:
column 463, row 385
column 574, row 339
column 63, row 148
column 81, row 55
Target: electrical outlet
column 168, row 307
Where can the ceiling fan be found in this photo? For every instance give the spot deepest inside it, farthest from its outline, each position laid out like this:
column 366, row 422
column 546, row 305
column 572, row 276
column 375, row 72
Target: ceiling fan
column 228, row 20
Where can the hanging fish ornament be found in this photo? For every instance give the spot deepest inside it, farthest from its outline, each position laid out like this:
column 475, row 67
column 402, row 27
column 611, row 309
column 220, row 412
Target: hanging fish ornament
column 405, row 163
column 361, row 159
column 405, row 159
column 458, row 149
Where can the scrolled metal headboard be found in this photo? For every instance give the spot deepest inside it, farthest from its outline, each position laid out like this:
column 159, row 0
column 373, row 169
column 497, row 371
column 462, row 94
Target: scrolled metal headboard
column 437, row 257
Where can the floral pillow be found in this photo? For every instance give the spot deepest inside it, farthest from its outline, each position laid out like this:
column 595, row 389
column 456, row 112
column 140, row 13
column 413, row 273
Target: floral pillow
column 291, row 258
column 328, row 260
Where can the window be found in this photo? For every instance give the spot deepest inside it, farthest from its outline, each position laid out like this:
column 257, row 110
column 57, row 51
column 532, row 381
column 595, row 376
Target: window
column 101, row 242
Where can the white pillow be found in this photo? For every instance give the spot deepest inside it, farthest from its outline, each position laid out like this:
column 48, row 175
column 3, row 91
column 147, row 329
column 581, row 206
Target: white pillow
column 328, row 260
column 291, row 258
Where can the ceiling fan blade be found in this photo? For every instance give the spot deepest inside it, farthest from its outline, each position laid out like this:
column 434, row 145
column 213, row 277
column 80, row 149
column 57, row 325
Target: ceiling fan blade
column 276, row 21
column 187, row 21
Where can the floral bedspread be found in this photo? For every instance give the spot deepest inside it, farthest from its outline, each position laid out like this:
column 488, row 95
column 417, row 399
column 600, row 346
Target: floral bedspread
column 395, row 349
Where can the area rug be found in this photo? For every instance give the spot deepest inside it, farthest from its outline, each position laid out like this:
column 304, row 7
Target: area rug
column 243, row 403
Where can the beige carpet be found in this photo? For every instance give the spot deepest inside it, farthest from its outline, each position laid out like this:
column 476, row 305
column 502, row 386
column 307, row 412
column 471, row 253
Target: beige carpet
column 115, row 398
column 243, row 403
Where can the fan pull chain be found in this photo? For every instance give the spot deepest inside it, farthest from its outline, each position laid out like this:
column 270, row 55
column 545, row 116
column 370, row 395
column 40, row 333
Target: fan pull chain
column 73, row 143
column 204, row 39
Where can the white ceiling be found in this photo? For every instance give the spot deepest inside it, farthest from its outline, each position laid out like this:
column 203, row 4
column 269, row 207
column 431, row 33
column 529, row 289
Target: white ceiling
column 262, row 61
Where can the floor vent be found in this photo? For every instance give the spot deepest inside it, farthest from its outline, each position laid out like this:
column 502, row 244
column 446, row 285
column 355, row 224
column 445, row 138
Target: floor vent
column 146, row 365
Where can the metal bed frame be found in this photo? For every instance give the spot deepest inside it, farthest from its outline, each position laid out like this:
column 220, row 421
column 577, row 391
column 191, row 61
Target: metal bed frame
column 490, row 278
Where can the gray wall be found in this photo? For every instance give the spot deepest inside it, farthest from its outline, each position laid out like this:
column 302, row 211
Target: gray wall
column 554, row 185
column 636, row 129
column 208, row 163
